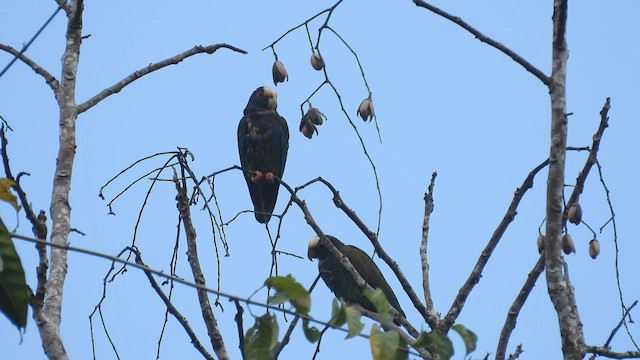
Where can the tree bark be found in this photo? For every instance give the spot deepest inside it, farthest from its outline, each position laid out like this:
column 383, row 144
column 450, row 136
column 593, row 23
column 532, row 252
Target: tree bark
column 48, row 316
column 558, row 285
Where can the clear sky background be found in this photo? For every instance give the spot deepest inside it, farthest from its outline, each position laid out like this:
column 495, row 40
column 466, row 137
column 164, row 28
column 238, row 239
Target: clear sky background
column 445, row 102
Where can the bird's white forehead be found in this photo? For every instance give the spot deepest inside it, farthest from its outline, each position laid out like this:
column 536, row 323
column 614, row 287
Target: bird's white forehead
column 314, row 242
column 269, row 91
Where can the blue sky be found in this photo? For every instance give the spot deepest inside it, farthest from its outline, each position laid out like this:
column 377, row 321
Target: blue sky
column 445, row 102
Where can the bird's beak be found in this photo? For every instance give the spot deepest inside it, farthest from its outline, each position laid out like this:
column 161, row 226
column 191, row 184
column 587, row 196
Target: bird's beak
column 272, row 97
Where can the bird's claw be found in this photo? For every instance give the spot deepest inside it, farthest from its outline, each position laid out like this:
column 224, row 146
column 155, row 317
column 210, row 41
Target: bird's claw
column 269, row 176
column 257, row 175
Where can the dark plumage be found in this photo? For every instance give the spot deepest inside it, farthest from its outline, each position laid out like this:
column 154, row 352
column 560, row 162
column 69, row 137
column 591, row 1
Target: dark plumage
column 341, row 282
column 263, row 142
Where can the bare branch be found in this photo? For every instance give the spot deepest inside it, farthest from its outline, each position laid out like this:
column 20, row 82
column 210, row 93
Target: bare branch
column 117, row 87
column 48, row 78
column 339, row 202
column 485, row 39
column 172, row 310
column 558, row 286
column 33, row 38
column 514, row 310
column 603, row 351
column 622, row 321
column 428, row 209
column 192, row 255
column 476, row 273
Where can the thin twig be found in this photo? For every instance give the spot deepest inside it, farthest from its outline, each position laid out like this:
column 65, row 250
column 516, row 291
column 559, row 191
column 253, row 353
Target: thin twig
column 432, row 320
column 476, row 273
column 485, row 39
column 514, row 310
column 192, row 256
column 33, row 38
column 177, row 279
column 173, row 311
column 117, row 87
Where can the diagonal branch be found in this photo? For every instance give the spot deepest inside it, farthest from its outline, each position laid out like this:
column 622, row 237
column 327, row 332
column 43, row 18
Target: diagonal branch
column 117, row 87
column 514, row 310
column 474, row 277
column 485, row 39
column 48, row 78
column 172, row 309
column 192, row 255
column 431, row 318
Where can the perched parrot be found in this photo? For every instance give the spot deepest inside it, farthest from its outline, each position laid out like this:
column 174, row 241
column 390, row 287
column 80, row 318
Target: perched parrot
column 341, row 282
column 263, row 142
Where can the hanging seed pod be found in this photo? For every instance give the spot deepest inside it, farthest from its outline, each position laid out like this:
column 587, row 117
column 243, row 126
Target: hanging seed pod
column 307, row 128
column 366, row 110
column 575, row 213
column 309, row 121
column 594, row 248
column 540, row 241
column 279, row 72
column 317, row 62
column 315, row 116
column 568, row 246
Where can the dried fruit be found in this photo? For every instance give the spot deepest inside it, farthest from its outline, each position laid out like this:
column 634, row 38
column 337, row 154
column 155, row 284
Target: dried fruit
column 365, row 110
column 307, row 128
column 309, row 121
column 315, row 116
column 541, row 240
column 279, row 72
column 317, row 62
column 567, row 244
column 575, row 213
column 594, row 248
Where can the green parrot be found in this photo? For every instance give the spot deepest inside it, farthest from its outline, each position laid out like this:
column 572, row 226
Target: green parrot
column 338, row 279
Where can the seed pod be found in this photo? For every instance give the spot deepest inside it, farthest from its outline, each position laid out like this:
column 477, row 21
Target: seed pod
column 317, row 62
column 541, row 240
column 575, row 213
column 365, row 110
column 279, row 72
column 309, row 121
column 307, row 129
column 567, row 244
column 594, row 248
column 315, row 116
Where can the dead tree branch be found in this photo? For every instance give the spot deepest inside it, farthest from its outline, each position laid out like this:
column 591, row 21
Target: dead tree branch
column 485, row 39
column 428, row 209
column 192, row 255
column 172, row 309
column 476, row 273
column 117, row 87
column 48, row 78
column 558, row 286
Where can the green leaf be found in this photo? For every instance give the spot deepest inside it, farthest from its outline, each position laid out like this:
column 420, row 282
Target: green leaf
column 261, row 338
column 338, row 314
column 311, row 333
column 287, row 289
column 402, row 353
column 383, row 344
column 379, row 300
column 435, row 340
column 469, row 337
column 353, row 321
column 13, row 287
